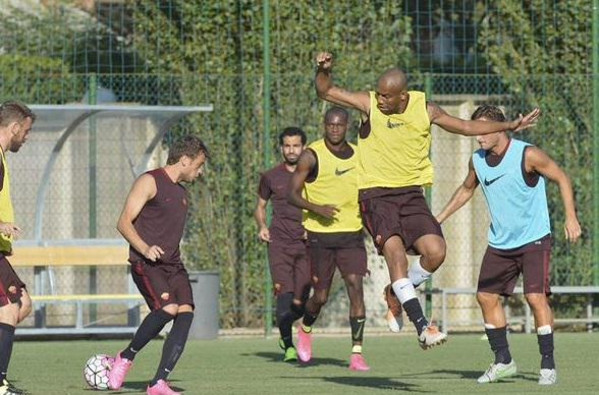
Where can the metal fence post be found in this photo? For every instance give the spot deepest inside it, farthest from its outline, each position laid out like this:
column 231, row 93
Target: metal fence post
column 595, row 77
column 428, row 308
column 267, row 159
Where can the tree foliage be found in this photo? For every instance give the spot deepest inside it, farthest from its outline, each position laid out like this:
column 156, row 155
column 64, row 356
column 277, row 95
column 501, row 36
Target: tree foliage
column 36, row 79
column 542, row 53
column 533, row 53
column 218, row 48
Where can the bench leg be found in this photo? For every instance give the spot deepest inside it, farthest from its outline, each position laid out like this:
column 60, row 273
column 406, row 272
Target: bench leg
column 39, row 316
column 590, row 313
column 133, row 316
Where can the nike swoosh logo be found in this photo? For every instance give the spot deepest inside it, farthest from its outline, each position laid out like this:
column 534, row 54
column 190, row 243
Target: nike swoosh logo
column 360, row 332
column 341, row 172
column 489, row 182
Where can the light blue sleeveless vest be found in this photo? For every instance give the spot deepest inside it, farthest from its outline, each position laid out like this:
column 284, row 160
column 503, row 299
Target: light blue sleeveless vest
column 519, row 213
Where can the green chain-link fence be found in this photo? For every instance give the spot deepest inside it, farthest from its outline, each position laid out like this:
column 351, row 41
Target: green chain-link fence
column 517, row 54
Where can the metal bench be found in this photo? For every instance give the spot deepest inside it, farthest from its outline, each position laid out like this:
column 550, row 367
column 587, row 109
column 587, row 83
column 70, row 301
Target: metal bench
column 44, row 259
column 589, row 320
column 40, row 301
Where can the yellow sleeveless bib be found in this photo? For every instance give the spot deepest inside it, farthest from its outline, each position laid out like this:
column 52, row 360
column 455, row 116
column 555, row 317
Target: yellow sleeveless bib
column 396, row 152
column 6, row 210
column 337, row 185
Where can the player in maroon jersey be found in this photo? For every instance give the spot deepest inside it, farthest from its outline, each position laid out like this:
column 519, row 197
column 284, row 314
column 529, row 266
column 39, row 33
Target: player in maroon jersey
column 289, row 265
column 153, row 221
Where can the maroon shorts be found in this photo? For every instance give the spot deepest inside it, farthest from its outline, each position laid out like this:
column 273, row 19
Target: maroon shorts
column 11, row 286
column 344, row 250
column 402, row 212
column 500, row 268
column 155, row 280
column 289, row 267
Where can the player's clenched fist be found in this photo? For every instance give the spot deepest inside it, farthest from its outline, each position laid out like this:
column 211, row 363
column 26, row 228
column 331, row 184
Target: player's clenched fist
column 324, row 61
column 10, row 229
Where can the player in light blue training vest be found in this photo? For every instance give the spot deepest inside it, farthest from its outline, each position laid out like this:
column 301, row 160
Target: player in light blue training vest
column 512, row 175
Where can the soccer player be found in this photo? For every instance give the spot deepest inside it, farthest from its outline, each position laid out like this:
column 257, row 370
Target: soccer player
column 327, row 172
column 152, row 221
column 286, row 239
column 512, row 176
column 394, row 165
column 16, row 120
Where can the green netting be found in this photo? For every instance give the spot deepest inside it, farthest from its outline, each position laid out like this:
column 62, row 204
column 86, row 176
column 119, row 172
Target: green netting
column 514, row 53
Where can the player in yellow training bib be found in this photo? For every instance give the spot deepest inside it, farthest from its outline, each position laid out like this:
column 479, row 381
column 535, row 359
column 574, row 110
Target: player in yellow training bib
column 394, row 165
column 16, row 120
column 327, row 171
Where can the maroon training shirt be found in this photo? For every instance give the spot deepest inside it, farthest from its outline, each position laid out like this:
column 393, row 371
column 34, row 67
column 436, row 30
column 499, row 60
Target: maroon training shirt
column 286, row 221
column 162, row 219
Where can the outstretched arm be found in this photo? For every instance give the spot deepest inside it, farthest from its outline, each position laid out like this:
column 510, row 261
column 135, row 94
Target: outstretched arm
column 305, row 164
column 461, row 195
column 331, row 93
column 537, row 160
column 439, row 117
column 142, row 191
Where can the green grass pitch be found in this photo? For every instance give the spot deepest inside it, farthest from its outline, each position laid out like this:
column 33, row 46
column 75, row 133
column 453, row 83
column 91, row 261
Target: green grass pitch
column 254, row 366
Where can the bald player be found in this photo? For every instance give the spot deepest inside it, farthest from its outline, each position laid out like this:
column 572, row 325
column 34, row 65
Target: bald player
column 394, row 165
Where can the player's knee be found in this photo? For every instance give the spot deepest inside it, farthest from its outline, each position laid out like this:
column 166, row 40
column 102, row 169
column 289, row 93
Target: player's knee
column 486, row 299
column 298, row 308
column 25, row 308
column 320, row 298
column 171, row 309
column 436, row 255
column 536, row 300
column 185, row 308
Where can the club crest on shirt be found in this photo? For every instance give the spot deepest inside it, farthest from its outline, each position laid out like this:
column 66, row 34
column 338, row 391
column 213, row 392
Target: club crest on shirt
column 393, row 125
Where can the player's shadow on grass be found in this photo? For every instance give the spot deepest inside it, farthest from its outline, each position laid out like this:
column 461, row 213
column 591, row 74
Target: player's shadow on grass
column 467, row 374
column 271, row 356
column 278, row 358
column 380, row 383
column 141, row 386
column 440, row 374
column 324, row 361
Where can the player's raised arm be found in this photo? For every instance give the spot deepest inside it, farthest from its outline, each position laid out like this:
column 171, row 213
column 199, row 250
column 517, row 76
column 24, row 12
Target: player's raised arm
column 537, row 160
column 326, row 90
column 452, row 124
column 305, row 165
column 142, row 191
column 461, row 195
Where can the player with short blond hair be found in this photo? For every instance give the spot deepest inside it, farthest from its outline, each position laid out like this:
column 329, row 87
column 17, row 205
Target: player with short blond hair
column 511, row 174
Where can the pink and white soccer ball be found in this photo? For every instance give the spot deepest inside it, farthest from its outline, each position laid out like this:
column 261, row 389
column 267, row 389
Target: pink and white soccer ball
column 96, row 370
